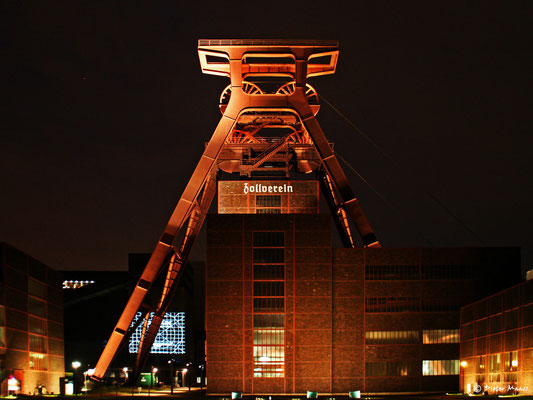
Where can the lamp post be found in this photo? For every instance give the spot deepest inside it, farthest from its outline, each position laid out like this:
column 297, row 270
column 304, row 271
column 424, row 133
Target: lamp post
column 76, row 365
column 183, row 375
column 463, row 365
column 171, row 362
column 154, row 370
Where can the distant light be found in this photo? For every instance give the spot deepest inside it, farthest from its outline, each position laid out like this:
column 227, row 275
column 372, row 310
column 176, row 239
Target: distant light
column 514, row 363
column 125, row 369
column 184, row 370
column 264, row 358
column 76, row 364
column 90, row 371
column 154, row 370
column 464, row 364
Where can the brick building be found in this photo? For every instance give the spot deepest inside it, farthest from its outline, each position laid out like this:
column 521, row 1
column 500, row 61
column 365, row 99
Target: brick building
column 286, row 312
column 497, row 342
column 31, row 318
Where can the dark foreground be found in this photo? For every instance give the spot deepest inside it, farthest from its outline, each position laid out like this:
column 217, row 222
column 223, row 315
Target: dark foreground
column 197, row 394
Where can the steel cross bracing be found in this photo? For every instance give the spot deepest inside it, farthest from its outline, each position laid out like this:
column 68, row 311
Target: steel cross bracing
column 247, row 109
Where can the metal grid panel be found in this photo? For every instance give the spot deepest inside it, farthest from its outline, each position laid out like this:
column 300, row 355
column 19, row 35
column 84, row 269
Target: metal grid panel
column 170, row 338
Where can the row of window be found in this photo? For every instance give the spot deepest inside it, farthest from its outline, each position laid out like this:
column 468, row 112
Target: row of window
column 35, row 325
column 500, row 362
column 498, row 323
column 407, row 304
column 435, row 336
column 414, row 272
column 509, row 377
column 410, row 368
column 22, row 282
column 268, row 299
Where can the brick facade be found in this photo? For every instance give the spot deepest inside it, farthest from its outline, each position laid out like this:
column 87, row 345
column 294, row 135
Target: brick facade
column 329, row 307
column 497, row 342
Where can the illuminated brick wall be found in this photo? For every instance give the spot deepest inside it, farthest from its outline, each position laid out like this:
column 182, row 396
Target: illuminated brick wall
column 375, row 320
column 497, row 342
column 31, row 318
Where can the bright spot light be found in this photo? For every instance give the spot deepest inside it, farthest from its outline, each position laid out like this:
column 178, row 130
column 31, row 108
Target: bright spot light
column 464, row 364
column 76, row 364
column 514, row 363
column 90, row 371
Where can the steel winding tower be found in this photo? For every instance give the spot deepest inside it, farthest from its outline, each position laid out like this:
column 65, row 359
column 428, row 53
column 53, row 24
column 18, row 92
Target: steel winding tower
column 268, row 125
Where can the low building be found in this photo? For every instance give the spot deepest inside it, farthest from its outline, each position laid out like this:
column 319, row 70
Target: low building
column 497, row 342
column 31, row 324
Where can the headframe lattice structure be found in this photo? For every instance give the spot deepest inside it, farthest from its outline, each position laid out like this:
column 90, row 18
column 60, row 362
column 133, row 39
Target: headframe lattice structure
column 268, row 90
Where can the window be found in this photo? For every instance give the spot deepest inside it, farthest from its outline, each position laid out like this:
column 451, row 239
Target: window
column 268, row 204
column 439, row 305
column 495, row 362
column 268, row 256
column 440, row 336
column 440, row 367
column 481, row 363
column 467, row 331
column 36, row 307
column 170, row 338
column 443, row 272
column 391, row 304
column 38, row 362
column 391, row 272
column 269, row 303
column 269, row 289
column 512, row 319
column 267, row 201
column 496, row 323
column 38, row 344
column 269, row 272
column 482, row 327
column 527, row 312
column 390, row 368
column 37, row 325
column 392, row 337
column 510, row 363
column 269, row 239
column 36, row 288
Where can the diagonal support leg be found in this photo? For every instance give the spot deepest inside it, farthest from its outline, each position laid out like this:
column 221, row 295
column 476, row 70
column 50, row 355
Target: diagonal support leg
column 337, row 212
column 181, row 213
column 175, row 270
column 347, row 199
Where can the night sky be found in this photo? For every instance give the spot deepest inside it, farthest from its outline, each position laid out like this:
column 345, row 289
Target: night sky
column 105, row 113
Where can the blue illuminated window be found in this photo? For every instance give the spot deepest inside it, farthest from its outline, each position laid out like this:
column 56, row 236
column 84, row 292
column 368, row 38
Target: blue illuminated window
column 171, row 336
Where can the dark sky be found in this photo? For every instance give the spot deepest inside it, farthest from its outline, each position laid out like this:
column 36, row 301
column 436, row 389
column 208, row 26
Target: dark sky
column 105, row 113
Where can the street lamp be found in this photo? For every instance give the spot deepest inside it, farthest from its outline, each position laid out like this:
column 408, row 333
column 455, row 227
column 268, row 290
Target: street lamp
column 76, row 365
column 463, row 364
column 154, row 370
column 171, row 362
column 183, row 375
